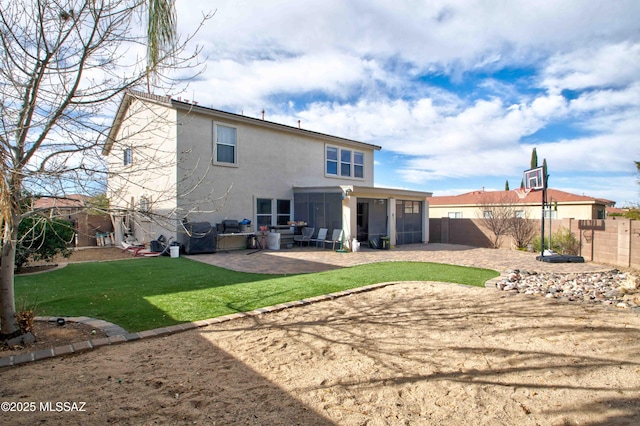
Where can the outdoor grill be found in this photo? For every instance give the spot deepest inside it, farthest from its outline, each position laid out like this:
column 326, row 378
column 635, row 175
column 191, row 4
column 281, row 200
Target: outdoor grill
column 230, row 226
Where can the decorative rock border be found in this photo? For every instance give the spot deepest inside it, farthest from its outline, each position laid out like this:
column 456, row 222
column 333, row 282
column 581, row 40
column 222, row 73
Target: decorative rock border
column 613, row 287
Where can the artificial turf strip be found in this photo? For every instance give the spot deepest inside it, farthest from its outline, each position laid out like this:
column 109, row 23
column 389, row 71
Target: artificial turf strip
column 143, row 294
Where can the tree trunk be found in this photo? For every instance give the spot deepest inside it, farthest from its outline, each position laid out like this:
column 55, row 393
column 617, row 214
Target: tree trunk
column 8, row 324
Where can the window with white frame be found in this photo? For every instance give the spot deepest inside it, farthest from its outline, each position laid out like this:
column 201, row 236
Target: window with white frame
column 519, row 214
column 358, row 164
column 265, row 209
column 455, row 215
column 225, row 151
column 487, row 214
column 145, row 204
column 344, row 162
column 264, row 212
column 283, row 212
column 332, row 160
column 127, row 157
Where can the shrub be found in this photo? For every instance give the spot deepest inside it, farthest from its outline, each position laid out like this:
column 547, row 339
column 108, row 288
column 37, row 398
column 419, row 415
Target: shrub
column 563, row 241
column 43, row 239
column 26, row 316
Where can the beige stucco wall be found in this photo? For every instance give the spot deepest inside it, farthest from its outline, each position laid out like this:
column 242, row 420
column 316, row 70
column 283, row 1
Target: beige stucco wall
column 150, row 130
column 270, row 162
column 175, row 148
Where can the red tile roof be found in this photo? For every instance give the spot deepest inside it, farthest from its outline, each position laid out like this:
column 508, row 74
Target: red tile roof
column 69, row 201
column 534, row 197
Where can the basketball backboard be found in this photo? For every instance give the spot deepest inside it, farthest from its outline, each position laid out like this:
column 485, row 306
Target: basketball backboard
column 534, row 179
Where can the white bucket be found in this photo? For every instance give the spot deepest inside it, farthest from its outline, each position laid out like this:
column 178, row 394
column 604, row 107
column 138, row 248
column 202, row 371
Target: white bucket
column 273, row 241
column 175, row 251
column 355, row 245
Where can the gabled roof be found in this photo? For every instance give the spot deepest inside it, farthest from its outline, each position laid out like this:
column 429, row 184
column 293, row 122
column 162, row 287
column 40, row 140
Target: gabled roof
column 477, row 198
column 178, row 104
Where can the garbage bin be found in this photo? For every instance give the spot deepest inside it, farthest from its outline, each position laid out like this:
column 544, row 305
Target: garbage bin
column 384, row 243
column 273, row 240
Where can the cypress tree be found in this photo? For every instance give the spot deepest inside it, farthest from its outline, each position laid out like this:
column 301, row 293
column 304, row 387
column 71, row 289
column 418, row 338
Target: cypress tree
column 506, row 185
column 534, row 159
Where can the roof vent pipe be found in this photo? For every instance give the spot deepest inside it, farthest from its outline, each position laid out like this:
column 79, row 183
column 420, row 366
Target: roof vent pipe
column 298, row 124
column 263, row 114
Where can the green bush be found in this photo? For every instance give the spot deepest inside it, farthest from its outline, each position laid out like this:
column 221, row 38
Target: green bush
column 43, row 239
column 563, row 241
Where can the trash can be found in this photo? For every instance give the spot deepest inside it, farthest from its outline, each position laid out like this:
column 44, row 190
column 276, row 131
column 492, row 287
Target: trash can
column 175, row 251
column 273, row 240
column 384, row 243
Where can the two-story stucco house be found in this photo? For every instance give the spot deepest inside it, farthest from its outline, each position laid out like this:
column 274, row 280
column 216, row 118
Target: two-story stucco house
column 171, row 161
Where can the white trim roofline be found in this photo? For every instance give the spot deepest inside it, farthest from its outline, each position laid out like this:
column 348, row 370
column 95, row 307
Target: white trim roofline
column 237, row 118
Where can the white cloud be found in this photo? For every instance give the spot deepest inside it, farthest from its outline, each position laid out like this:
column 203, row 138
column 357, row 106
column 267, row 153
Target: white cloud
column 613, row 65
column 240, row 84
column 608, row 99
column 354, row 69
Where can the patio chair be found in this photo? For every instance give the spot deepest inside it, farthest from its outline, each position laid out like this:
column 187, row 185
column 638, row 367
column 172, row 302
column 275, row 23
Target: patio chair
column 336, row 237
column 322, row 235
column 307, row 233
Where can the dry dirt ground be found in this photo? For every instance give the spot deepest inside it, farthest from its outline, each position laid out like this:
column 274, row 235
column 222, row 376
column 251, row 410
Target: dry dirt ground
column 409, row 353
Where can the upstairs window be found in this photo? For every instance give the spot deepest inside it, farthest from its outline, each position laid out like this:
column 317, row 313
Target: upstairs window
column 344, row 162
column 332, row 161
column 145, row 204
column 358, row 165
column 127, row 156
column 226, row 142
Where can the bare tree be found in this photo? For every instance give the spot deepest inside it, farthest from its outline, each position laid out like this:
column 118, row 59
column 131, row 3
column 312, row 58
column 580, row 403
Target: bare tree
column 497, row 212
column 504, row 217
column 523, row 229
column 64, row 65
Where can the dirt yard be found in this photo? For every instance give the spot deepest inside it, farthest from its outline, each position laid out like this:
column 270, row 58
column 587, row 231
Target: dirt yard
column 410, row 353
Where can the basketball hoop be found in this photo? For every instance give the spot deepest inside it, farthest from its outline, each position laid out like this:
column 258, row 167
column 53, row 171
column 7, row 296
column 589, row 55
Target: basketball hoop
column 534, row 179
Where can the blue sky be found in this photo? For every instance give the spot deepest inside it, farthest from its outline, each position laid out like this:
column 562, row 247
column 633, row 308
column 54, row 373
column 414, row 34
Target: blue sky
column 457, row 93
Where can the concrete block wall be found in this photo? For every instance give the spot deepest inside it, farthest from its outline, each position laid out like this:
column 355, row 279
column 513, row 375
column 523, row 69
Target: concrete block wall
column 612, row 241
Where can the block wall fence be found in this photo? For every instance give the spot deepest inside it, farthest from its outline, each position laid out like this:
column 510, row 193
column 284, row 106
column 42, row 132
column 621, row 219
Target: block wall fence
column 612, row 241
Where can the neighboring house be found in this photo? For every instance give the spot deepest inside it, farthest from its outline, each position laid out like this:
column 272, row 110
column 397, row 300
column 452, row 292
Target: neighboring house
column 613, row 211
column 176, row 161
column 73, row 208
column 563, row 205
column 62, row 207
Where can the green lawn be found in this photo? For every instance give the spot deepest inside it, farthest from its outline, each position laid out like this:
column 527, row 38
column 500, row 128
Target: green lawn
column 142, row 294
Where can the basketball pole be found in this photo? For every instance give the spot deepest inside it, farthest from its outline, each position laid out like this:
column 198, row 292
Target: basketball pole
column 544, row 202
